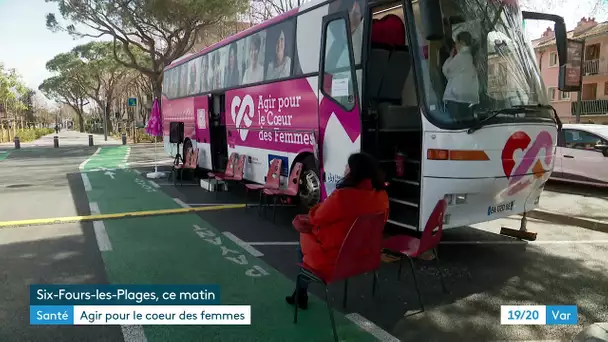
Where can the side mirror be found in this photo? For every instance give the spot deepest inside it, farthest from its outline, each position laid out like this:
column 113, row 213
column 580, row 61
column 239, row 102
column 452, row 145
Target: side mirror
column 432, row 20
column 561, row 36
column 603, row 148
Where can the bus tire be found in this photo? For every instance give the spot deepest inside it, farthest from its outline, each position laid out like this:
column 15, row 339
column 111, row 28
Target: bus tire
column 310, row 184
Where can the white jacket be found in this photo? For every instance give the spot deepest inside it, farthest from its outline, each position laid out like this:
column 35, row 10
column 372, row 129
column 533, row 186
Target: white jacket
column 463, row 84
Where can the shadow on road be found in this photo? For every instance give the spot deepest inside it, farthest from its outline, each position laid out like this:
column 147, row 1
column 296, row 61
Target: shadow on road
column 51, row 254
column 481, row 277
column 577, row 189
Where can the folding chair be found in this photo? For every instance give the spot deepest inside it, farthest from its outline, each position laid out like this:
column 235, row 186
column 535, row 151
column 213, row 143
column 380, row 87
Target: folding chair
column 191, row 164
column 360, row 253
column 273, row 181
column 237, row 175
column 410, row 247
column 292, row 189
column 178, row 169
column 228, row 172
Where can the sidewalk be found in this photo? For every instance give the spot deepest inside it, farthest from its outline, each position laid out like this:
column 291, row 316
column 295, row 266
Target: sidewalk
column 575, row 207
column 67, row 138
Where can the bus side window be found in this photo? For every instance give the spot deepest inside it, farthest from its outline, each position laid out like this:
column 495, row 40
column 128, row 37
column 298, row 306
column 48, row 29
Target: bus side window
column 337, row 64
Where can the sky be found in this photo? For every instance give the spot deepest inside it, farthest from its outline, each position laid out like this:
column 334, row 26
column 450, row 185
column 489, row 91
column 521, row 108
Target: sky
column 26, row 44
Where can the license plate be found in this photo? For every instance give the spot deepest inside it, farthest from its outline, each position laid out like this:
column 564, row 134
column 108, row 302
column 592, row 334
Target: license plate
column 494, row 209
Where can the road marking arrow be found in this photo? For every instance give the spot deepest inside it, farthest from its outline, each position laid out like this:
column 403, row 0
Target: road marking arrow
column 110, row 173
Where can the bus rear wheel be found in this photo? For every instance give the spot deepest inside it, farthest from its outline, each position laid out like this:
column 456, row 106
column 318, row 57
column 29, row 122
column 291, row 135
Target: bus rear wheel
column 310, row 184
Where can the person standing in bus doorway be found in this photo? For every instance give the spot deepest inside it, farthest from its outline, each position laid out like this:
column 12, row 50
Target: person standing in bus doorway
column 255, row 71
column 231, row 75
column 462, row 89
column 324, row 229
column 281, row 65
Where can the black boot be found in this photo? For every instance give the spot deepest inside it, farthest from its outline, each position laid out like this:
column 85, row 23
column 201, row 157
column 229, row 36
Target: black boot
column 302, row 299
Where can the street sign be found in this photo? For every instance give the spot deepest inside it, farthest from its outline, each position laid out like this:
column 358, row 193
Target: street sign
column 132, row 102
column 571, row 74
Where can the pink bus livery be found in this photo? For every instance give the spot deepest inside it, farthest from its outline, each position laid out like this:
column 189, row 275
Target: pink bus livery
column 318, row 83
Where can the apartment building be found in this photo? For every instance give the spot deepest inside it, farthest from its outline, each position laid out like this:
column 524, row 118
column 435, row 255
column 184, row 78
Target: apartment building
column 594, row 97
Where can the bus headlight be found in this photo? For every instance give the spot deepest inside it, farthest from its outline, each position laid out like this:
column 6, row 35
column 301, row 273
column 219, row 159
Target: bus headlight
column 456, row 199
column 461, row 199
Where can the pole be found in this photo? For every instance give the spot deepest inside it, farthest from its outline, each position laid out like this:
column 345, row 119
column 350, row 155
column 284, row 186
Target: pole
column 579, row 95
column 579, row 106
column 105, row 123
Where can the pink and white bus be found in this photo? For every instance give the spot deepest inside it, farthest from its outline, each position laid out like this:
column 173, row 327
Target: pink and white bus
column 330, row 78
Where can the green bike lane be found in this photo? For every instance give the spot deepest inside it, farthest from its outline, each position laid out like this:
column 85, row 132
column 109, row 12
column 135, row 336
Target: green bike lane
column 185, row 249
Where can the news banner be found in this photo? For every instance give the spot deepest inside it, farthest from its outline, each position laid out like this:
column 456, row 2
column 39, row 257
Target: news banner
column 133, row 305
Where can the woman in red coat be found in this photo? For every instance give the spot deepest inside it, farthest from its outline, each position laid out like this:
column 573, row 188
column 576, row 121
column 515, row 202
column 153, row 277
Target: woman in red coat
column 360, row 192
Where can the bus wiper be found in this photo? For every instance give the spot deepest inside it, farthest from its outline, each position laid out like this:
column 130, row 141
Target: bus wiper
column 556, row 118
column 493, row 113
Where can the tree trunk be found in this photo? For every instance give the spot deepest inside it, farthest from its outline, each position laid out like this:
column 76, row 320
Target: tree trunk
column 157, row 89
column 108, row 114
column 80, row 122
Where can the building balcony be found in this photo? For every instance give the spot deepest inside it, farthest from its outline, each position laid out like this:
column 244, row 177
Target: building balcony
column 593, row 107
column 595, row 67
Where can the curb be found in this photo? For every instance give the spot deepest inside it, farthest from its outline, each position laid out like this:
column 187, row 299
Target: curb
column 555, row 217
column 597, row 332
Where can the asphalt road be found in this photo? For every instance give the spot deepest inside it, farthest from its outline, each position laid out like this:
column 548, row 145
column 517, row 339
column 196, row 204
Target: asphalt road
column 483, row 270
column 43, row 183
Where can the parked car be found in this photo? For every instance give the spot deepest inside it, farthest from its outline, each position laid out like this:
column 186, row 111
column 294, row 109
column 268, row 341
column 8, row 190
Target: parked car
column 582, row 154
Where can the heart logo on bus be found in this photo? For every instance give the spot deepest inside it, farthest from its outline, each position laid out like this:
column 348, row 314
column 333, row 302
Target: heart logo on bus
column 531, row 160
column 241, row 112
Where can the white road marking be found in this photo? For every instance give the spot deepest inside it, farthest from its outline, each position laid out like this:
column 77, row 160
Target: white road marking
column 181, row 203
column 124, row 160
column 133, row 333
column 275, row 243
column 137, row 171
column 153, row 183
column 517, row 242
column 86, row 182
column 370, row 327
column 244, row 245
column 171, row 184
column 212, row 204
column 101, row 235
column 81, row 167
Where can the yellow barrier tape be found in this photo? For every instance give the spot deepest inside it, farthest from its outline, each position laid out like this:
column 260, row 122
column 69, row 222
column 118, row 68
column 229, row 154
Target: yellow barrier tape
column 101, row 217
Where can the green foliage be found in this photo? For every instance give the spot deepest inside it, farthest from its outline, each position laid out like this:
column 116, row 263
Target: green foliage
column 147, row 35
column 12, row 90
column 31, row 134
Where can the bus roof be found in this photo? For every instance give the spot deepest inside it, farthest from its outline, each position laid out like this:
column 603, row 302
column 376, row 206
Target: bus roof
column 234, row 37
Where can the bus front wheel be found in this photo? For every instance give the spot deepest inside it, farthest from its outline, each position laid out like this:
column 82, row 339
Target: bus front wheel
column 310, row 184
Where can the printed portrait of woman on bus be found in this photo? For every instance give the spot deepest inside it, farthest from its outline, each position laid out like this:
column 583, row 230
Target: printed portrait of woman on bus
column 255, row 69
column 183, row 88
column 232, row 76
column 355, row 17
column 217, row 71
column 193, row 81
column 280, row 65
column 204, row 74
column 174, row 83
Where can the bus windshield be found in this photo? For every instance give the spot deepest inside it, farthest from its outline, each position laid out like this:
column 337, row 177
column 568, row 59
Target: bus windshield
column 483, row 65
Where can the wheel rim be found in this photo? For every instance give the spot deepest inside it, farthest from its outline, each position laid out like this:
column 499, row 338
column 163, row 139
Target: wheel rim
column 310, row 188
